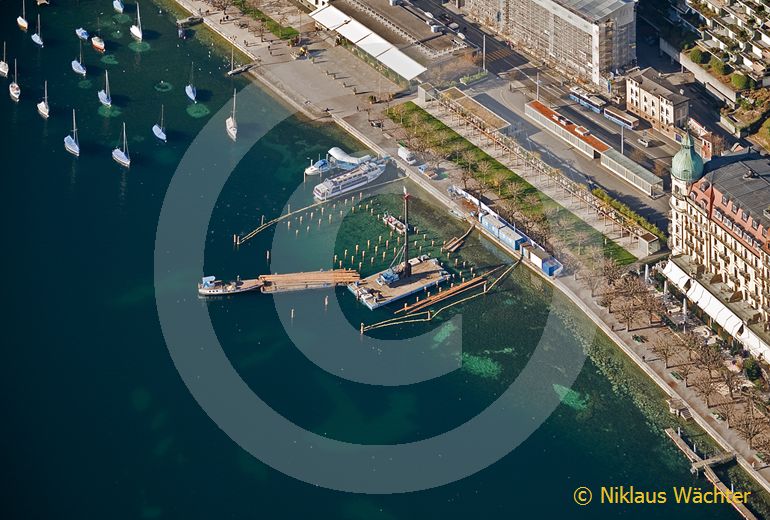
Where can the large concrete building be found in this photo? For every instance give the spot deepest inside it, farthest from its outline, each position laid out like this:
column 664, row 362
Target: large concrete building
column 720, row 217
column 655, row 99
column 592, row 39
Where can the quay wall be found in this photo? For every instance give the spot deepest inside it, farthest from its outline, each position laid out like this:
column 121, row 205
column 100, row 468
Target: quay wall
column 425, row 184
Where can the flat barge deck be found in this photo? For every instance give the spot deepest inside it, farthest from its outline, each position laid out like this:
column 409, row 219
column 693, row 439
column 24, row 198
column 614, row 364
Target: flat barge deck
column 426, row 273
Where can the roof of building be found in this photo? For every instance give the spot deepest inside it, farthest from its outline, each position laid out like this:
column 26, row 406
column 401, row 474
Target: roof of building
column 593, row 10
column 578, row 131
column 650, row 82
column 368, row 41
column 634, row 167
column 744, row 178
column 687, row 165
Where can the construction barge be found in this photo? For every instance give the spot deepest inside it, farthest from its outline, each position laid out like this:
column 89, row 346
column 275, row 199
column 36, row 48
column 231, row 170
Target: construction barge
column 277, row 283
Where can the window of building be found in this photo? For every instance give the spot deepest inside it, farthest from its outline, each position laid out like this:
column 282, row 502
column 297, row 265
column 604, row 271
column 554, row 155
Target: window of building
column 745, row 216
column 725, row 200
column 754, row 225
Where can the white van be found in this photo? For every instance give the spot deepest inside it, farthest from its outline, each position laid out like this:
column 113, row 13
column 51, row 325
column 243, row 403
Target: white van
column 406, row 154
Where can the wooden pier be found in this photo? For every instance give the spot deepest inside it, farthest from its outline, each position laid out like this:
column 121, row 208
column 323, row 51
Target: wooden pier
column 278, row 283
column 457, row 242
column 698, row 463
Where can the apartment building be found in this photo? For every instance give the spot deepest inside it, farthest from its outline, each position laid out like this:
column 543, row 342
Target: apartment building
column 720, row 216
column 594, row 40
column 653, row 98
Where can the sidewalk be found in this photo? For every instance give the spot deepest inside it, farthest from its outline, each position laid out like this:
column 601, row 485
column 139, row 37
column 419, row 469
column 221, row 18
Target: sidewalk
column 334, row 72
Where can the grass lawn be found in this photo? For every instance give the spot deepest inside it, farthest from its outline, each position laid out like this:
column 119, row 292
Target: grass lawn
column 282, row 31
column 499, row 179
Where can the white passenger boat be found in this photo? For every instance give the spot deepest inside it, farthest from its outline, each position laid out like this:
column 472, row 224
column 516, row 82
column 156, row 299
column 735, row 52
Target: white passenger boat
column 231, row 125
column 120, row 155
column 136, row 30
column 42, row 108
column 71, row 141
column 349, row 181
column 159, row 129
column 38, row 36
column 77, row 65
column 14, row 89
column 21, row 21
column 4, row 65
column 104, row 95
column 319, row 167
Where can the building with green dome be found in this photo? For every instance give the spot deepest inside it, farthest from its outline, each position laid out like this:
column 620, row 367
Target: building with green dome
column 687, row 165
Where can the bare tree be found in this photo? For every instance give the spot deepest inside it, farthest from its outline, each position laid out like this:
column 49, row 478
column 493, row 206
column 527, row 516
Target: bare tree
column 515, row 189
column 483, row 168
column 727, row 410
column 750, row 423
column 706, row 387
column 612, row 271
column 580, row 237
column 663, row 347
column 685, row 370
column 627, row 312
column 731, row 379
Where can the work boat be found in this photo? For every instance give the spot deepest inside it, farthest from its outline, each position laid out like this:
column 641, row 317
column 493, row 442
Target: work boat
column 38, row 36
column 21, row 21
column 136, row 30
column 159, row 129
column 71, row 141
column 231, row 125
column 14, row 89
column 349, row 181
column 42, row 107
column 4, row 65
column 104, row 95
column 120, row 155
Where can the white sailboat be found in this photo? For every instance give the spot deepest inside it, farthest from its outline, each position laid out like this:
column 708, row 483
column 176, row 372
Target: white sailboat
column 104, row 95
column 14, row 88
column 38, row 37
column 159, row 129
column 121, row 155
column 118, row 6
column 21, row 21
column 231, row 125
column 81, row 33
column 4, row 65
column 190, row 88
column 77, row 65
column 96, row 42
column 42, row 107
column 71, row 143
column 136, row 30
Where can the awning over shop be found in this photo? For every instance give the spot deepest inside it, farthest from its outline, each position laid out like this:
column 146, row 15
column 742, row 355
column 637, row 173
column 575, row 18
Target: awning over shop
column 754, row 344
column 674, row 273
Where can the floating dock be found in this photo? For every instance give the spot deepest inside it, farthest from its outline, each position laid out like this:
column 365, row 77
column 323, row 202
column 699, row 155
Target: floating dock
column 277, row 283
column 373, row 293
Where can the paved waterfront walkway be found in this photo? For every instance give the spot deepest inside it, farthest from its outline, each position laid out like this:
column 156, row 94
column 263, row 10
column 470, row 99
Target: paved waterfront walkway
column 305, row 85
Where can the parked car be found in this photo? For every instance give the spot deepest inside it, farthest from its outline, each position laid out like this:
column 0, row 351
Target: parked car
column 644, row 142
column 454, row 26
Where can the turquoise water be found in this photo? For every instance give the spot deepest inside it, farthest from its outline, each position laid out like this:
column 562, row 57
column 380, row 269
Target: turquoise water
column 97, row 421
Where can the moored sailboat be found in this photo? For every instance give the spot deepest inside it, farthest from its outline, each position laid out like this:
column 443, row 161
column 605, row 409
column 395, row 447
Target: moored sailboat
column 81, row 33
column 14, row 89
column 136, row 30
column 104, row 95
column 21, row 21
column 77, row 65
column 4, row 65
column 159, row 129
column 120, row 155
column 71, row 143
column 190, row 90
column 231, row 125
column 38, row 36
column 118, row 6
column 96, row 42
column 42, row 107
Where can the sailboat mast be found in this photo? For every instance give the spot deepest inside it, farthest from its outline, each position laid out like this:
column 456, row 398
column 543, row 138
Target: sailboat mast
column 234, row 94
column 24, row 9
column 39, row 32
column 45, row 92
column 107, row 83
column 74, row 127
column 138, row 17
column 232, row 58
column 161, row 117
column 125, row 140
column 15, row 72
